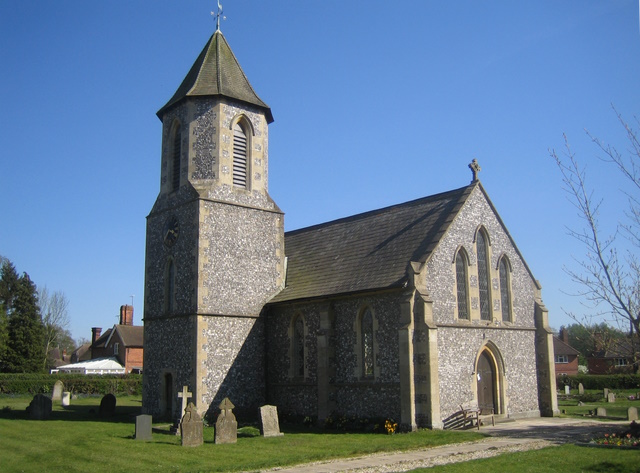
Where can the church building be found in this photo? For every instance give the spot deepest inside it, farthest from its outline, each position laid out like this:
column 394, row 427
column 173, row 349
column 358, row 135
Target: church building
column 404, row 312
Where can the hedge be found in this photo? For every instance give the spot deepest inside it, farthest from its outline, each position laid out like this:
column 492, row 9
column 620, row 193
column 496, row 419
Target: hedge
column 600, row 381
column 35, row 383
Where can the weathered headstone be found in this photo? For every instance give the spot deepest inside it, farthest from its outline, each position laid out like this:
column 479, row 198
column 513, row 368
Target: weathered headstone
column 143, row 427
column 56, row 394
column 606, row 392
column 269, row 426
column 226, row 425
column 611, row 397
column 191, row 427
column 66, row 398
column 580, row 389
column 40, row 407
column 567, row 389
column 601, row 412
column 108, row 405
column 632, row 413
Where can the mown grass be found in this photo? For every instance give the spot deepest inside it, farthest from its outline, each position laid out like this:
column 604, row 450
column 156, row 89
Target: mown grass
column 615, row 411
column 565, row 458
column 75, row 439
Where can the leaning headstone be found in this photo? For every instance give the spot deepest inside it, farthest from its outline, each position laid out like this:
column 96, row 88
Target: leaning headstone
column 226, row 425
column 580, row 389
column 56, row 394
column 611, row 397
column 601, row 412
column 191, row 427
column 269, row 426
column 143, row 427
column 632, row 413
column 108, row 405
column 40, row 407
column 66, row 398
column 605, row 392
column 567, row 389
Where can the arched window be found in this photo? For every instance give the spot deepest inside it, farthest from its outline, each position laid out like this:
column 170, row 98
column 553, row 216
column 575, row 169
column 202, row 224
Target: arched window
column 169, row 286
column 484, row 286
column 297, row 348
column 239, row 156
column 366, row 343
column 462, row 282
column 505, row 289
column 175, row 158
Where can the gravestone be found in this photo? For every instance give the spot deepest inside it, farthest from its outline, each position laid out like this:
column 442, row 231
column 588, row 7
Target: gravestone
column 611, row 397
column 632, row 413
column 56, row 394
column 606, row 392
column 184, row 395
column 601, row 412
column 567, row 389
column 108, row 405
column 580, row 389
column 40, row 407
column 66, row 398
column 143, row 427
column 191, row 427
column 226, row 425
column 269, row 426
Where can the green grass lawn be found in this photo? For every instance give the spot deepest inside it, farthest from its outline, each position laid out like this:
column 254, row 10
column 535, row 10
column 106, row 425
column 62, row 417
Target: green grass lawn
column 616, row 411
column 76, row 439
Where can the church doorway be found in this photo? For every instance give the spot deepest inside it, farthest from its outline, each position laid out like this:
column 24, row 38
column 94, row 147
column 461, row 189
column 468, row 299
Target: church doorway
column 486, row 378
column 167, row 396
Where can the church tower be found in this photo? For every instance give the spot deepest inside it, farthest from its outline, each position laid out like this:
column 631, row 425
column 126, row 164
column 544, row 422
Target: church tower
column 215, row 242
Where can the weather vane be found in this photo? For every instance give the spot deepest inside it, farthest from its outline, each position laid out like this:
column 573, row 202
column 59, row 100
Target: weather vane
column 218, row 14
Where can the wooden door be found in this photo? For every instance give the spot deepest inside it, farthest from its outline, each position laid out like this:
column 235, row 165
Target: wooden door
column 486, row 377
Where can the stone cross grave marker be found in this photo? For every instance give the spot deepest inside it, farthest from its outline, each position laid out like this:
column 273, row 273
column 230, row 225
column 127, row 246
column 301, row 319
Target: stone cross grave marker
column 632, row 413
column 143, row 427
column 269, row 426
column 580, row 389
column 185, row 395
column 611, row 397
column 58, row 387
column 226, row 425
column 40, row 407
column 191, row 427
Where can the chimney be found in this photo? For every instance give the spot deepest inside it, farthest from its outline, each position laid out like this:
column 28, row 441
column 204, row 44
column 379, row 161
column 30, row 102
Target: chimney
column 95, row 334
column 126, row 315
column 564, row 335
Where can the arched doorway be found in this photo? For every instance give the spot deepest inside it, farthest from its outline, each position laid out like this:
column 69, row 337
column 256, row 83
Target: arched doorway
column 167, row 396
column 486, row 379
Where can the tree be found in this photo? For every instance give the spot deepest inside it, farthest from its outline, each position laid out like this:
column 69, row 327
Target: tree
column 25, row 344
column 9, row 281
column 590, row 339
column 609, row 271
column 55, row 319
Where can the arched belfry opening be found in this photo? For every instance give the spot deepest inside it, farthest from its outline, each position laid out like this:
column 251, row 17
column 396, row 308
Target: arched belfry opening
column 490, row 380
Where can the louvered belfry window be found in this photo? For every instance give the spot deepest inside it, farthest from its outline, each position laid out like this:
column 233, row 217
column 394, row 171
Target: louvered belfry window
column 461, row 283
column 175, row 156
column 298, row 347
column 483, row 277
column 239, row 157
column 366, row 329
column 505, row 292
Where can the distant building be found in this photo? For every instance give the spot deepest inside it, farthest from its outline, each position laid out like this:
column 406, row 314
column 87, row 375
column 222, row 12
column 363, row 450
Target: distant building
column 566, row 357
column 615, row 356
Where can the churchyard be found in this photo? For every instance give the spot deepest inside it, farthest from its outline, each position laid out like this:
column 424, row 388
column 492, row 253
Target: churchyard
column 77, row 438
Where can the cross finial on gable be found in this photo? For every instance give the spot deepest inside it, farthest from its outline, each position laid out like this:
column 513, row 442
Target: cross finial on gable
column 218, row 14
column 475, row 169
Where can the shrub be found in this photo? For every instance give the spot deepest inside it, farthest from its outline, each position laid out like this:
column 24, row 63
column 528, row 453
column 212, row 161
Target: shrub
column 35, row 383
column 600, row 381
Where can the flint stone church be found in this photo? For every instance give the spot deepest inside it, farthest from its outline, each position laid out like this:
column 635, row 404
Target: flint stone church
column 404, row 312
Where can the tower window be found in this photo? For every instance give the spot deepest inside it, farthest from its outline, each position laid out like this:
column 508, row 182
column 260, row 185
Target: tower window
column 297, row 352
column 483, row 276
column 505, row 289
column 239, row 157
column 462, row 285
column 169, row 286
column 366, row 335
column 175, row 159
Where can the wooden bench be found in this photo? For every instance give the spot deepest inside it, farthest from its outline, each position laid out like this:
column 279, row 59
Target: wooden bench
column 471, row 412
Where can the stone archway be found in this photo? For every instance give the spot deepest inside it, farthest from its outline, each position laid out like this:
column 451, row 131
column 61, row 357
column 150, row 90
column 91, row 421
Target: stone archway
column 490, row 384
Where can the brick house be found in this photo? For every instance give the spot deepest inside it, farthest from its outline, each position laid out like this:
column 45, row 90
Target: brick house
column 566, row 357
column 124, row 341
column 613, row 357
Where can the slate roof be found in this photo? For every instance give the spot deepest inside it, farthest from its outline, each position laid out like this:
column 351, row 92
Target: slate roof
column 217, row 72
column 562, row 348
column 369, row 251
column 131, row 335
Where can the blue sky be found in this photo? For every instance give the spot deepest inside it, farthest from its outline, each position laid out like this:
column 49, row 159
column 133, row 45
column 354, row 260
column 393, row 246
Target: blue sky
column 375, row 103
